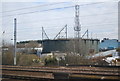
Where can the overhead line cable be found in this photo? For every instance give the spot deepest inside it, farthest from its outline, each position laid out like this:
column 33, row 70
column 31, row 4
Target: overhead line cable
column 39, row 11
column 51, row 9
column 32, row 7
column 47, row 5
column 73, row 17
column 65, row 18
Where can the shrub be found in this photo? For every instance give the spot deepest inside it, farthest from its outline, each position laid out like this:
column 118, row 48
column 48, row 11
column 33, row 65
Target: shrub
column 50, row 61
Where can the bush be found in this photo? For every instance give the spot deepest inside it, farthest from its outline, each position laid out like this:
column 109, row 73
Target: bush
column 50, row 61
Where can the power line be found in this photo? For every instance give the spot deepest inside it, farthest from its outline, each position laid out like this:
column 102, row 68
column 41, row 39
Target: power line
column 15, row 38
column 32, row 7
column 51, row 9
column 46, row 5
column 39, row 11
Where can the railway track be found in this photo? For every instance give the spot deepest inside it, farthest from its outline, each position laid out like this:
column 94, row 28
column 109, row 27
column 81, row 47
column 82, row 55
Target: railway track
column 83, row 68
column 61, row 72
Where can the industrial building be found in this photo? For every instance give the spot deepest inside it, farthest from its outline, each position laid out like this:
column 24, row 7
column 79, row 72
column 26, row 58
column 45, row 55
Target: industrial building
column 81, row 46
column 76, row 45
column 108, row 44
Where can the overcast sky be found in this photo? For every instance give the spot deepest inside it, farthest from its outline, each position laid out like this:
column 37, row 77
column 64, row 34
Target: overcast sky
column 100, row 18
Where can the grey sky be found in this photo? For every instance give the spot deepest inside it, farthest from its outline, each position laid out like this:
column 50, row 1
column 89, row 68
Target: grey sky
column 101, row 19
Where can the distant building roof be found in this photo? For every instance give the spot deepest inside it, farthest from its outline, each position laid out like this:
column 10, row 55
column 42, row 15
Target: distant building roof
column 109, row 43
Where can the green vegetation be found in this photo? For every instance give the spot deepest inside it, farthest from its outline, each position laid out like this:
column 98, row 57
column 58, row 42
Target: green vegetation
column 50, row 61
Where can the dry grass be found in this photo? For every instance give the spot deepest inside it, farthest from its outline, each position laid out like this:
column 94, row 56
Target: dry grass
column 22, row 59
column 26, row 59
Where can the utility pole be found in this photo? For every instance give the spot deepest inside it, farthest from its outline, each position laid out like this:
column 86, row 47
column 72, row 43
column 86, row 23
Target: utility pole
column 3, row 42
column 15, row 27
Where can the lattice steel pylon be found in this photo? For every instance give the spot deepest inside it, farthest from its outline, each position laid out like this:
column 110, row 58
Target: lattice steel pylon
column 77, row 27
